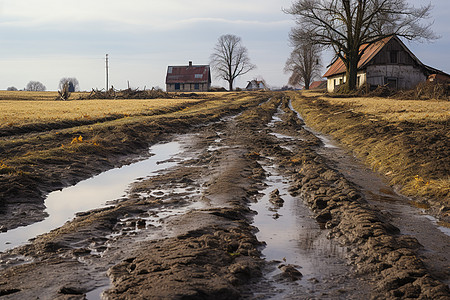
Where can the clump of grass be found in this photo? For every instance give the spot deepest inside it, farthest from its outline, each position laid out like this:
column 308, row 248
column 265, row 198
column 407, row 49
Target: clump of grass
column 6, row 169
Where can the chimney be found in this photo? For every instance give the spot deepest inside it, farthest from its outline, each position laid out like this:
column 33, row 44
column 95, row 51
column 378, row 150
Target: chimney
column 190, row 63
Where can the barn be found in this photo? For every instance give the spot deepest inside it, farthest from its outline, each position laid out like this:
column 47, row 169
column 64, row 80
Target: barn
column 386, row 62
column 190, row 78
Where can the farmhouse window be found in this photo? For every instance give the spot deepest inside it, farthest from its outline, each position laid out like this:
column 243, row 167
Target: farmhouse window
column 393, row 55
column 391, row 82
column 177, row 86
column 196, row 86
column 198, row 76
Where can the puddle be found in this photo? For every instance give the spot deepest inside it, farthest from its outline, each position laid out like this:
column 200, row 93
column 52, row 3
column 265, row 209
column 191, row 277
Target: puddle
column 216, row 145
column 276, row 117
column 281, row 136
column 96, row 294
column 154, row 219
column 442, row 226
column 293, row 237
column 92, row 193
column 12, row 260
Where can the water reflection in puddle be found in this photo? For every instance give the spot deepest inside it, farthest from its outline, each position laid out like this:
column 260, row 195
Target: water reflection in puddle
column 92, row 193
column 96, row 294
column 281, row 136
column 293, row 237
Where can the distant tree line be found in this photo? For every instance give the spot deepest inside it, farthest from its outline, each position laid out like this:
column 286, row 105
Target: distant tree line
column 37, row 86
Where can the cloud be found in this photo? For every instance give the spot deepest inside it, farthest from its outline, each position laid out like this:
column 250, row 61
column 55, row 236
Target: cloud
column 154, row 14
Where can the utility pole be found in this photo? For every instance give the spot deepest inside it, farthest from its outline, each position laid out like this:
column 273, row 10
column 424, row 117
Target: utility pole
column 107, row 73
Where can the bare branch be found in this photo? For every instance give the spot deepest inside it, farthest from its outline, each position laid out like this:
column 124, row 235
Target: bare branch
column 304, row 63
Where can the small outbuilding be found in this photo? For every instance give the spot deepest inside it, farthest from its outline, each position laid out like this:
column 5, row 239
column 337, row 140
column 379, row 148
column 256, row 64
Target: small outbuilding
column 256, row 85
column 190, row 78
column 386, row 62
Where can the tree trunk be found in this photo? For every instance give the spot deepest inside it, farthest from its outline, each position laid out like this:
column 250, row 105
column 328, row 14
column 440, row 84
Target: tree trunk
column 230, row 85
column 307, row 81
column 306, row 85
column 352, row 71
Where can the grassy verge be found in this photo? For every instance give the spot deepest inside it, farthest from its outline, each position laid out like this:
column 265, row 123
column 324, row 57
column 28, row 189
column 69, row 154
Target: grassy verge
column 407, row 141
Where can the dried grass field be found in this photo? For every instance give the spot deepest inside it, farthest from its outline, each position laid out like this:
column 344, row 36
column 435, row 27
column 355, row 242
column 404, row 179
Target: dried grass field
column 25, row 108
column 393, row 110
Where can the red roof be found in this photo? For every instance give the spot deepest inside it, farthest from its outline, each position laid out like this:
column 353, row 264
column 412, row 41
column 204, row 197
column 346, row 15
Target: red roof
column 318, row 85
column 338, row 67
column 188, row 74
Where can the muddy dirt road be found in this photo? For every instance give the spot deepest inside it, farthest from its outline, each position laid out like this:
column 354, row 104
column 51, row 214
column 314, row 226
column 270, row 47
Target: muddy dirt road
column 253, row 206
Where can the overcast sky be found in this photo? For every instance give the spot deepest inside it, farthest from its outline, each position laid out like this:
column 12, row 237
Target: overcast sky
column 49, row 39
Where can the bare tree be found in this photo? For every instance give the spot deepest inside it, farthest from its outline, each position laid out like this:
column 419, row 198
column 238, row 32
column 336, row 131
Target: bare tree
column 351, row 26
column 72, row 82
column 35, row 86
column 11, row 88
column 230, row 59
column 304, row 63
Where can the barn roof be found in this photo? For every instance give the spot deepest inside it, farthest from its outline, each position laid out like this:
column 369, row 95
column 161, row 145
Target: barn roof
column 338, row 66
column 188, row 74
column 318, row 85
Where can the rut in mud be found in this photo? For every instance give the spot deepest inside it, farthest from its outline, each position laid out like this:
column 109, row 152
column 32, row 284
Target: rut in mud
column 188, row 232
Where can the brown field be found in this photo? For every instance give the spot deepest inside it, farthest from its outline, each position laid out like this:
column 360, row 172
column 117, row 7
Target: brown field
column 22, row 108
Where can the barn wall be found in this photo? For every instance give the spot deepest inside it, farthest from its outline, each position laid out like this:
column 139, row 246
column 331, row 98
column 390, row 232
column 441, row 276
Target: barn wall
column 188, row 87
column 407, row 76
column 334, row 81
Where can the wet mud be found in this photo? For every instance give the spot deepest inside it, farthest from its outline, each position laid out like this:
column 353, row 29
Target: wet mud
column 200, row 229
